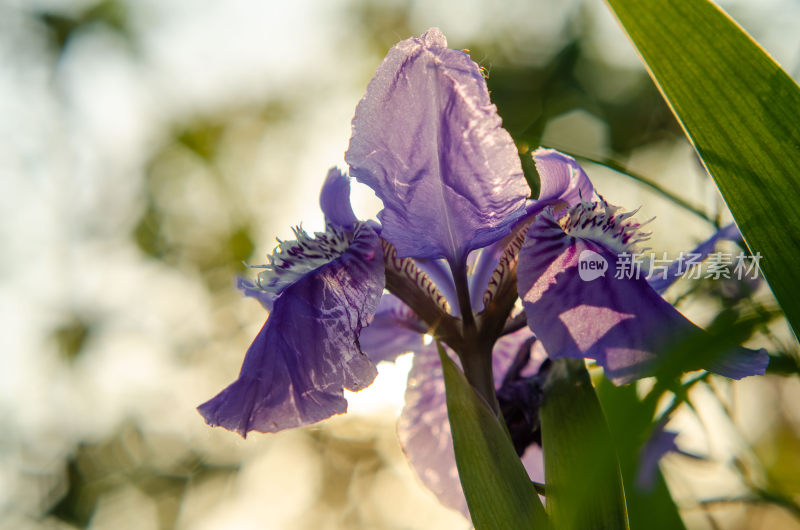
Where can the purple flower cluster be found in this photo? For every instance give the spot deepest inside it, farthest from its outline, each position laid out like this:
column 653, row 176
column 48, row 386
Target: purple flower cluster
column 458, row 245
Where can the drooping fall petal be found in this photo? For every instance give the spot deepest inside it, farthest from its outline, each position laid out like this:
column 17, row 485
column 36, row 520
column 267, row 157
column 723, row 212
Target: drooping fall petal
column 307, row 352
column 424, row 430
column 621, row 322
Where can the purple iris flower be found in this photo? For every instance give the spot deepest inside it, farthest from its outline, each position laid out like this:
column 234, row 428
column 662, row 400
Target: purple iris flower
column 321, row 291
column 459, row 243
column 616, row 318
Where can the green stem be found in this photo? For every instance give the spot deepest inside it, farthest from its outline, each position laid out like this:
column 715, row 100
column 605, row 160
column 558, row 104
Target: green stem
column 459, row 270
column 476, row 357
column 477, row 367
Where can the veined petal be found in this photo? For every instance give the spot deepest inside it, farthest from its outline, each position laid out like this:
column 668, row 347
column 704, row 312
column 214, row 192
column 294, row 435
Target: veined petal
column 619, row 321
column 441, row 276
column 424, row 429
column 394, row 330
column 307, row 351
column 485, row 265
column 561, row 178
column 334, row 199
column 562, row 183
column 429, row 142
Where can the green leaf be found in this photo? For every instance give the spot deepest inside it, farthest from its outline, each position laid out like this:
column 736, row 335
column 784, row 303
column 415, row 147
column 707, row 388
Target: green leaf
column 740, row 110
column 499, row 493
column 583, row 483
column 630, row 421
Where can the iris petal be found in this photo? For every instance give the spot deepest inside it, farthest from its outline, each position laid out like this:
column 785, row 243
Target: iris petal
column 562, row 181
column 394, row 330
column 561, row 178
column 622, row 323
column 424, row 430
column 306, row 353
column 429, row 142
column 334, row 199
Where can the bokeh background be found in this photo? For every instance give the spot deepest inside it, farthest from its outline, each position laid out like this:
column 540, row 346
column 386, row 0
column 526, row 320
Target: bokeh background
column 148, row 148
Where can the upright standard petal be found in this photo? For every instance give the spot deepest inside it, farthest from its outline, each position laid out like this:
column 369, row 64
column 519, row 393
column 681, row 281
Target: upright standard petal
column 334, row 199
column 561, row 178
column 562, row 182
column 580, row 305
column 308, row 350
column 428, row 140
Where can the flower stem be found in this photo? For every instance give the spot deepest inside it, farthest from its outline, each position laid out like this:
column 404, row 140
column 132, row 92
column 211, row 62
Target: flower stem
column 476, row 357
column 459, row 269
column 477, row 367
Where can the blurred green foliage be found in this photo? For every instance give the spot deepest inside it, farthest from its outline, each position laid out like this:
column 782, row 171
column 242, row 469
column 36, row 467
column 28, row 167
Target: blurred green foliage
column 529, row 96
column 63, row 25
column 130, row 458
column 216, row 252
column 71, row 336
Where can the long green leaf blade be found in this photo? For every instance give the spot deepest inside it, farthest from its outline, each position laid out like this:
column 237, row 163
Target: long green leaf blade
column 584, row 486
column 629, row 421
column 741, row 112
column 499, row 493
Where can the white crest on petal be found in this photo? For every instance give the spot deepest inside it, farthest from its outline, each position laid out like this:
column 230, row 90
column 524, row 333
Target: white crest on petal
column 606, row 224
column 292, row 259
